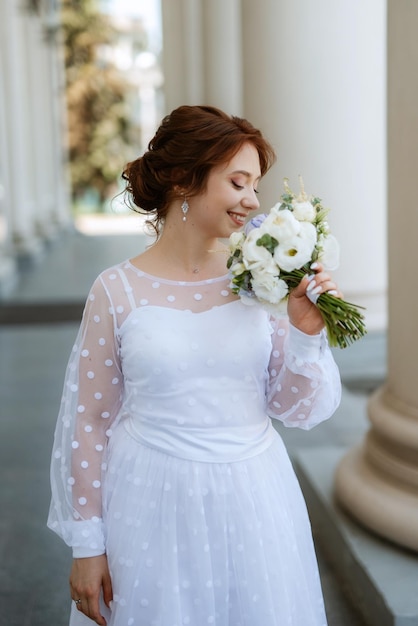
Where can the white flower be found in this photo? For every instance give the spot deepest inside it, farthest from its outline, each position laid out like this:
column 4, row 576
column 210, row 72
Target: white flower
column 329, row 254
column 280, row 224
column 308, row 232
column 236, row 240
column 304, row 211
column 268, row 287
column 255, row 256
column 237, row 269
column 294, row 253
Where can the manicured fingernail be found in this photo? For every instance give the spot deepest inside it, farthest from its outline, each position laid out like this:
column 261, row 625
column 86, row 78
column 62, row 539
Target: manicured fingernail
column 333, row 292
column 314, row 266
column 317, row 289
column 313, row 297
column 310, row 286
column 310, row 277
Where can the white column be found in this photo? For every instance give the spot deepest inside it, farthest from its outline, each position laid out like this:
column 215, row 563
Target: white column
column 55, row 191
column 223, row 55
column 39, row 113
column 378, row 481
column 202, row 53
column 182, row 53
column 8, row 269
column 20, row 183
column 58, row 164
column 314, row 81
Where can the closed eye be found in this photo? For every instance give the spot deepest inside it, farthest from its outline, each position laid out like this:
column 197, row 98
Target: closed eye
column 237, row 186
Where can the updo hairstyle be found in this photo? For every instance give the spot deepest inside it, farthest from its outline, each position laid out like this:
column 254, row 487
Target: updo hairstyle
column 188, row 144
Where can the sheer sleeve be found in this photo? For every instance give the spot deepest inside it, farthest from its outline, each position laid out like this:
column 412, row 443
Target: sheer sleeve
column 90, row 404
column 304, row 381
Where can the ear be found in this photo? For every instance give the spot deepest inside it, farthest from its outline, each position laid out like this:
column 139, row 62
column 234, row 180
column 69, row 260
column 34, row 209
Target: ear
column 178, row 176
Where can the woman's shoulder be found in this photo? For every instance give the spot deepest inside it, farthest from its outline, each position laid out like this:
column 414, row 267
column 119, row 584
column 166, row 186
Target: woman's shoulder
column 112, row 278
column 113, row 271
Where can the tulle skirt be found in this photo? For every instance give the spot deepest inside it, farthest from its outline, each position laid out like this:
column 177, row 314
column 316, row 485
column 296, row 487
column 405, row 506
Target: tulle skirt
column 199, row 543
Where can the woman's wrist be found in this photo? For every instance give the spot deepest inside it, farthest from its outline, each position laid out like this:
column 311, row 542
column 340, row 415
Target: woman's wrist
column 303, row 345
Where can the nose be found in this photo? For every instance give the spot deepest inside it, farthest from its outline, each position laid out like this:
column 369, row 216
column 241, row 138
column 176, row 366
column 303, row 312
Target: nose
column 250, row 201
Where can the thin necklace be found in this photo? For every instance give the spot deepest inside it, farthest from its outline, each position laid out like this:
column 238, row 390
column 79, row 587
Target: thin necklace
column 196, row 268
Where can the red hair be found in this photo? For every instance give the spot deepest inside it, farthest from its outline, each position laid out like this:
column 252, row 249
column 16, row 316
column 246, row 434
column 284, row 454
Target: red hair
column 189, row 143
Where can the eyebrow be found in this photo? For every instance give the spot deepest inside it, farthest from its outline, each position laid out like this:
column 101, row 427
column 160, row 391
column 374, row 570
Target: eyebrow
column 245, row 173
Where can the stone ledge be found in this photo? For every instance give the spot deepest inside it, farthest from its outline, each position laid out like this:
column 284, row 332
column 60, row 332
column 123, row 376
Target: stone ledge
column 40, row 312
column 380, row 579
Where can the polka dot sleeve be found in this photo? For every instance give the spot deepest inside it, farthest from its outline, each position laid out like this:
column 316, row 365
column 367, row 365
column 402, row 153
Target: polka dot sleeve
column 304, row 383
column 90, row 404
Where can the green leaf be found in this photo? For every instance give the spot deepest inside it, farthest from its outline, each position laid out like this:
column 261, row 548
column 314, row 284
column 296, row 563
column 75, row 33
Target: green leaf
column 268, row 242
column 287, row 197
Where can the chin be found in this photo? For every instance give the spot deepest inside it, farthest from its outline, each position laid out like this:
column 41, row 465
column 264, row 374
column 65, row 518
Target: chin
column 227, row 232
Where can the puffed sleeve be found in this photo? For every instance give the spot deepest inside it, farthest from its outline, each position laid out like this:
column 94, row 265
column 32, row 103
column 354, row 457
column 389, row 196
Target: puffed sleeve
column 90, row 405
column 304, row 380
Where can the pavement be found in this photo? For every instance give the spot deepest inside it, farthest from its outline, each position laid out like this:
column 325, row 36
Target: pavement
column 38, row 323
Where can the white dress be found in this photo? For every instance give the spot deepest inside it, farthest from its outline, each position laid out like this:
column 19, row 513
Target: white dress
column 166, row 459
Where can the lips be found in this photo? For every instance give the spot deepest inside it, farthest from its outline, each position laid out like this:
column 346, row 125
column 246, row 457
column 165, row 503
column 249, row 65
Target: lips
column 238, row 218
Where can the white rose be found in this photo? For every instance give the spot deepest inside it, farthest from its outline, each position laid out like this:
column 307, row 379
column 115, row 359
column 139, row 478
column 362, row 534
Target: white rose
column 236, row 240
column 329, row 254
column 280, row 224
column 304, row 211
column 293, row 254
column 255, row 256
column 269, row 288
column 237, row 269
column 308, row 232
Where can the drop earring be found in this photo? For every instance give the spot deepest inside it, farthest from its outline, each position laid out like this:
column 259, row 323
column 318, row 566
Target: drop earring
column 185, row 208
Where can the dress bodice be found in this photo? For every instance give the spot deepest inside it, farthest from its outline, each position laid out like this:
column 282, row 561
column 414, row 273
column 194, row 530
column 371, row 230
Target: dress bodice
column 195, row 383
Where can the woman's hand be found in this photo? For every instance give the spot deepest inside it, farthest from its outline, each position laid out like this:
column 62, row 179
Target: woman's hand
column 88, row 576
column 303, row 313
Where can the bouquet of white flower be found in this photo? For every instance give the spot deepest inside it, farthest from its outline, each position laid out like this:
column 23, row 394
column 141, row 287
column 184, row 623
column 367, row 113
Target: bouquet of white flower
column 276, row 251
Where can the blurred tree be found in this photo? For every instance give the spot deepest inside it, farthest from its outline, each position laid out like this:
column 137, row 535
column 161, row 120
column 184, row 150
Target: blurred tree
column 99, row 122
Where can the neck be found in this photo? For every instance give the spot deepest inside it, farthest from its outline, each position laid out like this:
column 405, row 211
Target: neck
column 191, row 258
column 187, row 254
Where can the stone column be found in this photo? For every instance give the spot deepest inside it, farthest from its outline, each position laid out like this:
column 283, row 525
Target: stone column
column 202, row 53
column 39, row 112
column 20, row 183
column 59, row 170
column 182, row 53
column 223, row 55
column 378, row 481
column 8, row 269
column 314, row 81
column 56, row 191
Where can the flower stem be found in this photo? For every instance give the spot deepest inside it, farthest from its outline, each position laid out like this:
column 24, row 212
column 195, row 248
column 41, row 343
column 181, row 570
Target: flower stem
column 343, row 320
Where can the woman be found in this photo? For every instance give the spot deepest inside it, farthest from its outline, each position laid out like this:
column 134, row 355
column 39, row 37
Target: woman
column 169, row 481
